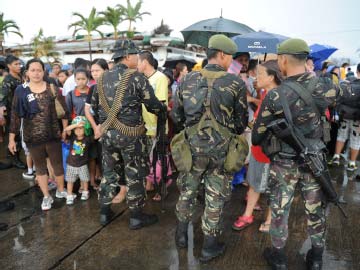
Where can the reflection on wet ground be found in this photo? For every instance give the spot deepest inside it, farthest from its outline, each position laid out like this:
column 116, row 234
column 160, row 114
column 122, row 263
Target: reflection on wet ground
column 71, row 237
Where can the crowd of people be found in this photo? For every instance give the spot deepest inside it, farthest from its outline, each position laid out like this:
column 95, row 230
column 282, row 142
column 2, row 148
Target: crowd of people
column 99, row 123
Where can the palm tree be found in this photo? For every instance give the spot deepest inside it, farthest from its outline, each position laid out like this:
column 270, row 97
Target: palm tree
column 43, row 46
column 131, row 14
column 6, row 27
column 89, row 25
column 113, row 17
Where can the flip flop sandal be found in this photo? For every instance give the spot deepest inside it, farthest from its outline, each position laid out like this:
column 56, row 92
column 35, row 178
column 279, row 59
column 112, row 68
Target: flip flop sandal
column 242, row 223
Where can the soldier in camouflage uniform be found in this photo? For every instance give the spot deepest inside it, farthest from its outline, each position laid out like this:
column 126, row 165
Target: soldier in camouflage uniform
column 287, row 169
column 208, row 147
column 9, row 84
column 125, row 141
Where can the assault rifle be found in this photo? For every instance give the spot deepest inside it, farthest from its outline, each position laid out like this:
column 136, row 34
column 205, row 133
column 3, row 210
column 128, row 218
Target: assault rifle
column 312, row 155
column 160, row 154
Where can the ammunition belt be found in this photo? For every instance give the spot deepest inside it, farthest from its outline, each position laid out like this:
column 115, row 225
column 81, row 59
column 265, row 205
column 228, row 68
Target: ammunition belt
column 112, row 121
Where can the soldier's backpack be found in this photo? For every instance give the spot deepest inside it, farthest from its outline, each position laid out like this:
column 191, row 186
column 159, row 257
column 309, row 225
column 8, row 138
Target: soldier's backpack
column 237, row 144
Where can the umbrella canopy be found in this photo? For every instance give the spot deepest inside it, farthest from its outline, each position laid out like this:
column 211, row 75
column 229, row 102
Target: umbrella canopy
column 319, row 53
column 171, row 61
column 260, row 42
column 200, row 32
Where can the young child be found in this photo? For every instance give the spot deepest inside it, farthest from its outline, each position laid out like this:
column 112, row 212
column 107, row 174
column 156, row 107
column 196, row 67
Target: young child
column 78, row 159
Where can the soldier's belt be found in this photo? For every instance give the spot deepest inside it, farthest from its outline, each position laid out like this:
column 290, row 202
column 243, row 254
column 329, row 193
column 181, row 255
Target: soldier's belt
column 128, row 130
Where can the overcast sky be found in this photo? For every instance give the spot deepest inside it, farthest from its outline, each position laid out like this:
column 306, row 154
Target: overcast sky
column 331, row 22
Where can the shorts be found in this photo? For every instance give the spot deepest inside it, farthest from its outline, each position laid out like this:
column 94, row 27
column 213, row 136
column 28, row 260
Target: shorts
column 51, row 150
column 73, row 173
column 350, row 130
column 257, row 175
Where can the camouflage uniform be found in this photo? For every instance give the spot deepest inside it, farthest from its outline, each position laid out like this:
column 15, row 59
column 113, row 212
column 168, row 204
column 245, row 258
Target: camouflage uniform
column 286, row 173
column 208, row 147
column 118, row 148
column 9, row 85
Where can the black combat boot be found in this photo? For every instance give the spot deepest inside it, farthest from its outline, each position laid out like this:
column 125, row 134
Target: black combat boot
column 276, row 258
column 105, row 214
column 138, row 219
column 181, row 234
column 211, row 248
column 314, row 258
column 16, row 162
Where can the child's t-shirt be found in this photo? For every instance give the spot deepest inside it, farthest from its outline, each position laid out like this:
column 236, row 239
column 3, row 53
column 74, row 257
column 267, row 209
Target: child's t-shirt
column 79, row 152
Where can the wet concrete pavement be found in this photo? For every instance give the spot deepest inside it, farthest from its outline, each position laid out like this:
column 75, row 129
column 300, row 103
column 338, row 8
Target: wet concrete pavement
column 71, row 237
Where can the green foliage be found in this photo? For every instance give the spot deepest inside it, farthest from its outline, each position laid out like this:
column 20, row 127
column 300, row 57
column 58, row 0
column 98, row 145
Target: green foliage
column 43, row 46
column 162, row 29
column 113, row 17
column 132, row 13
column 88, row 24
column 8, row 26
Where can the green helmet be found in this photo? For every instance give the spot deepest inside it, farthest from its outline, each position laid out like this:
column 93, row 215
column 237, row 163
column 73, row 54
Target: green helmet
column 87, row 125
column 222, row 43
column 293, row 46
column 124, row 47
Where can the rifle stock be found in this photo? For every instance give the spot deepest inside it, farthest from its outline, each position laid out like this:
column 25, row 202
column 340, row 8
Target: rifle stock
column 314, row 158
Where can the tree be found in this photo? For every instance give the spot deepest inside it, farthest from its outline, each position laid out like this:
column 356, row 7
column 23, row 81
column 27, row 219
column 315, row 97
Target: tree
column 113, row 17
column 90, row 24
column 162, row 29
column 6, row 27
column 43, row 46
column 132, row 14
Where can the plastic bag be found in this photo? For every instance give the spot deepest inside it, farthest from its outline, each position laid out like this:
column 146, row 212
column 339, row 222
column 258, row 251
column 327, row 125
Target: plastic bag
column 65, row 153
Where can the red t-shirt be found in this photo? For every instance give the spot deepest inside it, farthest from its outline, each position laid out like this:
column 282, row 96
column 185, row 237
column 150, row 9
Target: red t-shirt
column 256, row 150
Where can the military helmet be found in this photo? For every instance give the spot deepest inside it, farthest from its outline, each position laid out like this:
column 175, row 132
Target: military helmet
column 222, row 43
column 124, row 47
column 293, row 46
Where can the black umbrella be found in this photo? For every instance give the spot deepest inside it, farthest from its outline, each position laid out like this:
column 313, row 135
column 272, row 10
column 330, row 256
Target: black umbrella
column 172, row 60
column 261, row 42
column 200, row 32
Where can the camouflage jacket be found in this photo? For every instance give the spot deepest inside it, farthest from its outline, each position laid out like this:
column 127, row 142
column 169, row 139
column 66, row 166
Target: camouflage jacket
column 139, row 91
column 8, row 87
column 308, row 122
column 228, row 100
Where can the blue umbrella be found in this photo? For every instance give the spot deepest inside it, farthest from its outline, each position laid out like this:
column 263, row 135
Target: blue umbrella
column 319, row 53
column 260, row 42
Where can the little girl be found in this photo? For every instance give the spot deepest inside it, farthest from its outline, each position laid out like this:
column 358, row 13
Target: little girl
column 77, row 161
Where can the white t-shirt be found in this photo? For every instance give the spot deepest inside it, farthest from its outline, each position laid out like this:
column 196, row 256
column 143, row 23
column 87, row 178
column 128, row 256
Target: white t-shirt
column 69, row 85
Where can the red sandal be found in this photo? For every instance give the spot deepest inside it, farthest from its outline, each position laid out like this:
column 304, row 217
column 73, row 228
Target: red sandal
column 242, row 222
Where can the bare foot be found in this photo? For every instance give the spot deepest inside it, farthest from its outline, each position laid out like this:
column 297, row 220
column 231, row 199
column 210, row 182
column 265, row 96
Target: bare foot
column 121, row 196
column 149, row 186
column 264, row 227
column 157, row 197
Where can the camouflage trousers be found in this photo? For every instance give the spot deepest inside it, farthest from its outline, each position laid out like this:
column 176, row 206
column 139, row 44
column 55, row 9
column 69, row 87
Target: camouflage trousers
column 285, row 175
column 123, row 156
column 208, row 166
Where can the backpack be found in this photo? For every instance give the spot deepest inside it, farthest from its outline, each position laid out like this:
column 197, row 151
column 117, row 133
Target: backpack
column 348, row 107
